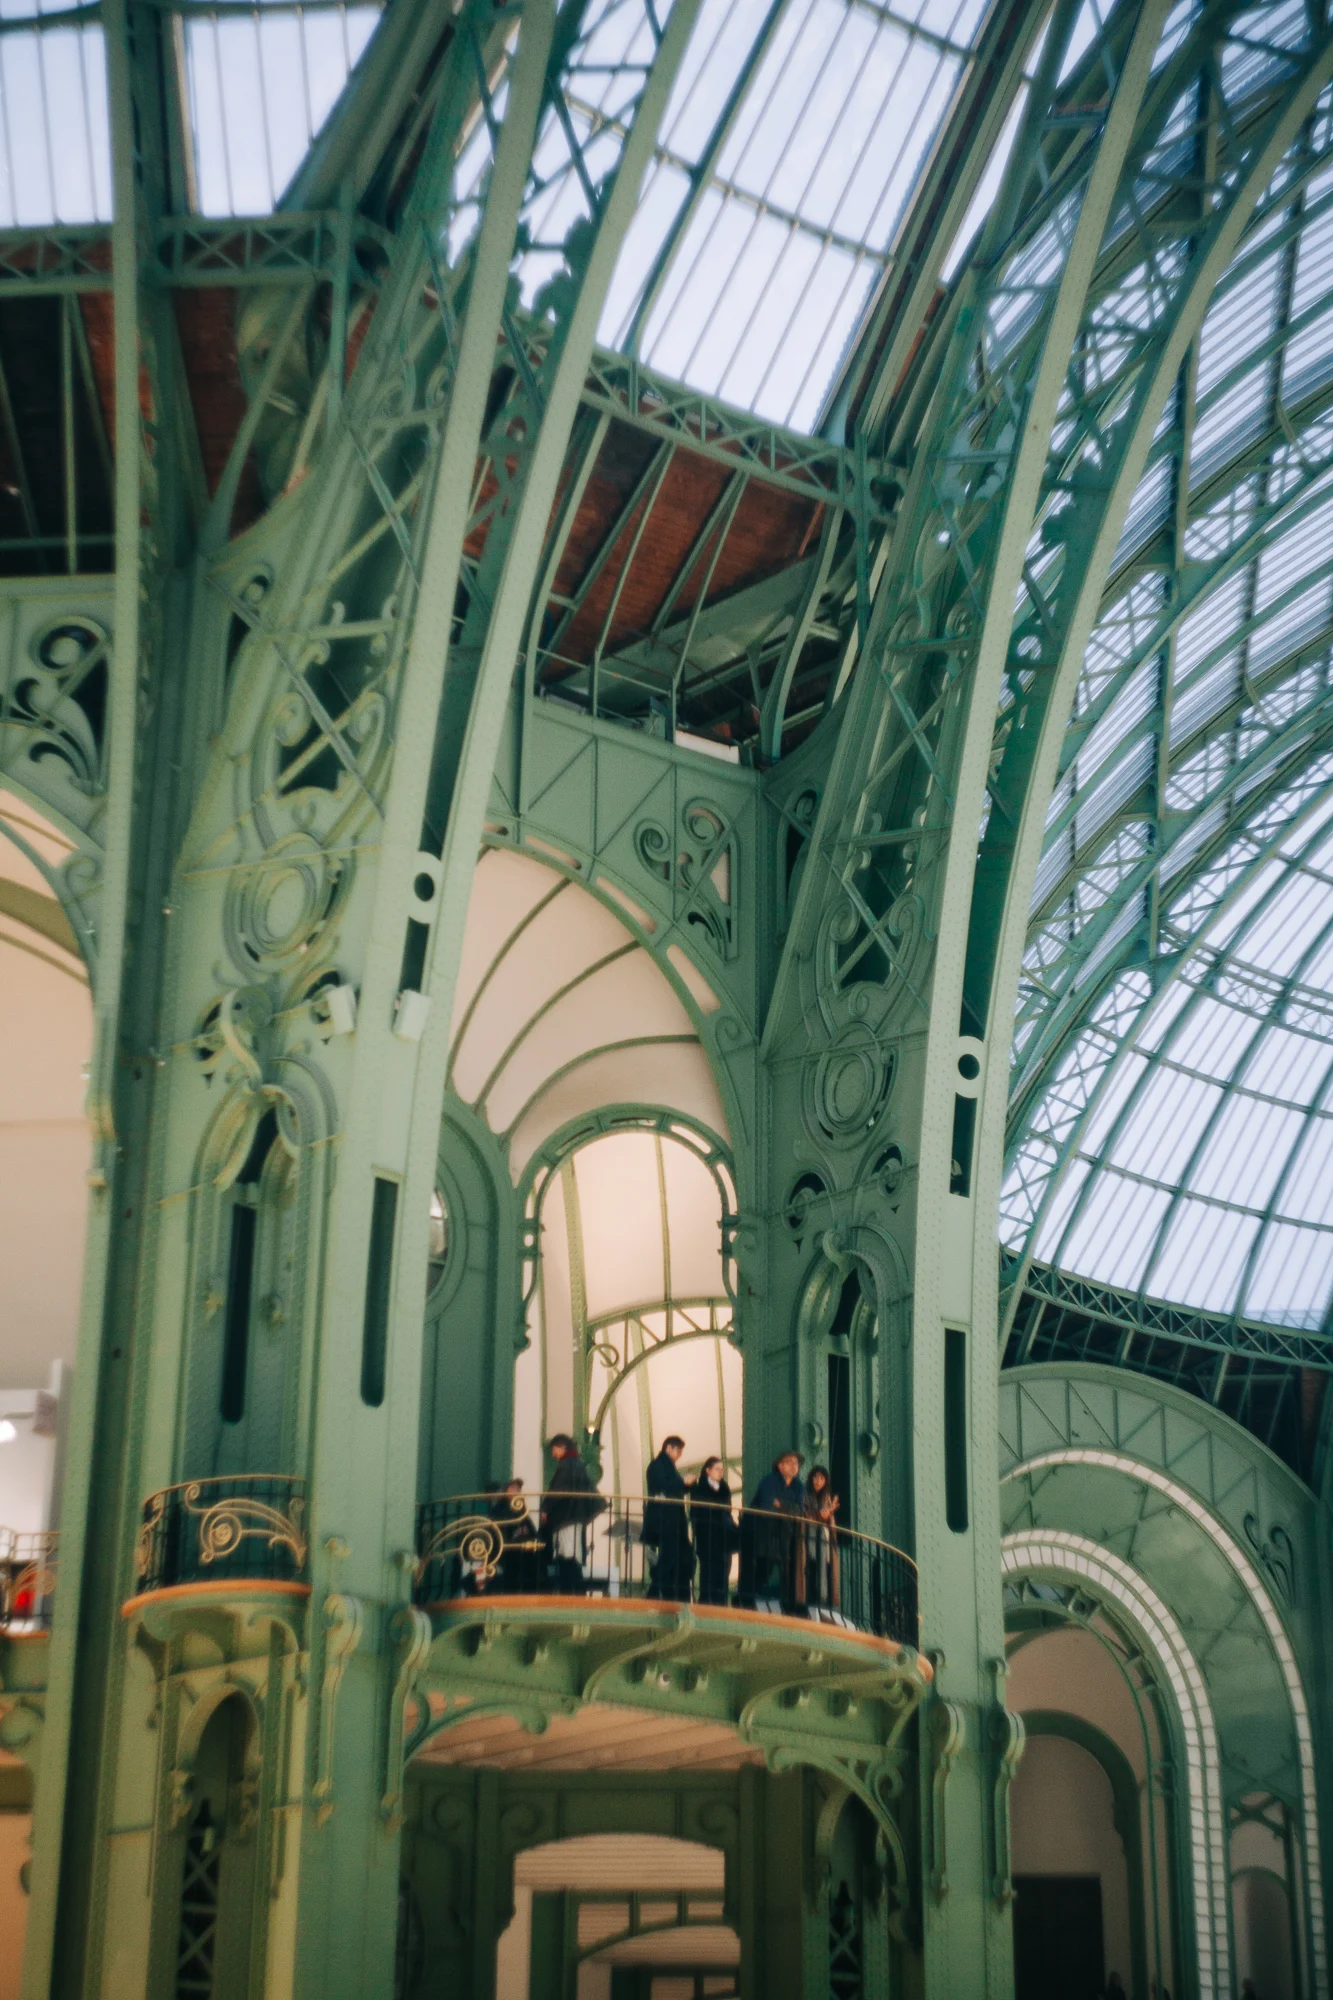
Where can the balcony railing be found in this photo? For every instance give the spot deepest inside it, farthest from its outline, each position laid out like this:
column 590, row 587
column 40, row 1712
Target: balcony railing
column 248, row 1528
column 27, row 1581
column 676, row 1551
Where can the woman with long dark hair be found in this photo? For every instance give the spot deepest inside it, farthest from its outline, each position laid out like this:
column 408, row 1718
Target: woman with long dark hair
column 714, row 1530
column 817, row 1581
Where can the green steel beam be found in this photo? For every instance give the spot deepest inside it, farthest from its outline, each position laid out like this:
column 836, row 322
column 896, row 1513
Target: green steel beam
column 1156, row 1319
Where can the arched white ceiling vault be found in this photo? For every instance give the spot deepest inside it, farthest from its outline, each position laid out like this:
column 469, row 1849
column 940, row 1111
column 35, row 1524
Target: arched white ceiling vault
column 578, row 1051
column 46, row 1033
column 1173, row 1081
column 561, row 1009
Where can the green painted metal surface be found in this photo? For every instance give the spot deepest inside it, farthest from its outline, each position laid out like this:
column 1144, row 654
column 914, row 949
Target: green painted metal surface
column 305, row 734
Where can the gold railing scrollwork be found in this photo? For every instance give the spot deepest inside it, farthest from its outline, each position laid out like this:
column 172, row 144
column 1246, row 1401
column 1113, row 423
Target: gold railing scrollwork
column 474, row 1539
column 236, row 1527
column 225, row 1524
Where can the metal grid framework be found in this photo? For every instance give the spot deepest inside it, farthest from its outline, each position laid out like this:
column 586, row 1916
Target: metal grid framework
column 766, row 219
column 1172, row 1057
column 1172, row 998
column 1271, row 1381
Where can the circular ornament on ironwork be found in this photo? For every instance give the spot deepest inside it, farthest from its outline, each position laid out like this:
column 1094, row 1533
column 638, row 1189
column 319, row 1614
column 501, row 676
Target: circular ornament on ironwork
column 275, row 908
column 887, row 1171
column 849, row 1084
column 807, row 1189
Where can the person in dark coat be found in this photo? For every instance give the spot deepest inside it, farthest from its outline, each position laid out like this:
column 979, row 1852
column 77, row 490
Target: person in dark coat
column 510, row 1513
column 781, row 1496
column 714, row 1530
column 665, row 1527
column 570, row 1502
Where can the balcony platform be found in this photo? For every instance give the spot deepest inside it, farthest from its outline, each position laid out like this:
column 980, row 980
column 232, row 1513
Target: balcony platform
column 751, row 1683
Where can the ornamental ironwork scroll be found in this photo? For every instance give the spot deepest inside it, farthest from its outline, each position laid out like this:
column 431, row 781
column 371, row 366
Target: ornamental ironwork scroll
column 219, row 1527
column 225, row 1524
column 476, row 1540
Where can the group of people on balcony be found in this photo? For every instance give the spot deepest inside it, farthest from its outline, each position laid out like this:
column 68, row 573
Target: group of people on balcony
column 786, row 1540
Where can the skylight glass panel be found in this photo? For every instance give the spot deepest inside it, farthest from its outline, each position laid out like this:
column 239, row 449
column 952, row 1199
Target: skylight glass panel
column 1211, row 1038
column 1062, row 1206
column 1112, row 1237
column 1160, row 1133
column 1307, row 1194
column 55, row 143
column 1292, row 1276
column 260, row 87
column 758, row 281
column 1120, row 1088
column 1291, row 1068
column 1203, row 1256
column 1245, row 1151
column 1291, row 922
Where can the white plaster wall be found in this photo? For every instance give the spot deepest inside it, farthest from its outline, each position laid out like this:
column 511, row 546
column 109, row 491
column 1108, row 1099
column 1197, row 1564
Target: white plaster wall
column 46, row 1033
column 1073, row 1672
column 27, row 1464
column 1063, row 1825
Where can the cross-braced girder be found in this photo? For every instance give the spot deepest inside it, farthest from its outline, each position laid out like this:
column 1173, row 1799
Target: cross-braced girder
column 1198, row 742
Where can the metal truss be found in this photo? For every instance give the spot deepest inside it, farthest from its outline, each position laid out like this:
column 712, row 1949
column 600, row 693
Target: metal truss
column 810, row 468
column 1269, row 1380
column 1161, row 782
column 191, row 251
column 1150, row 1319
column 1042, row 408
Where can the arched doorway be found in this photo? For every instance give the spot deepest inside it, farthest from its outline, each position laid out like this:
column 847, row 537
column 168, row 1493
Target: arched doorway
column 630, row 1313
column 217, row 1942
column 581, row 1058
column 617, row 1917
column 1112, row 1700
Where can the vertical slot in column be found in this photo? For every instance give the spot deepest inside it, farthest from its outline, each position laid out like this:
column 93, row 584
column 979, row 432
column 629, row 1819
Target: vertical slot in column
column 955, row 1429
column 379, row 1278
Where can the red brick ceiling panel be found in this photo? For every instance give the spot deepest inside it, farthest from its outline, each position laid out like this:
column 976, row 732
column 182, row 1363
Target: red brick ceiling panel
column 206, row 323
column 623, row 459
column 770, row 530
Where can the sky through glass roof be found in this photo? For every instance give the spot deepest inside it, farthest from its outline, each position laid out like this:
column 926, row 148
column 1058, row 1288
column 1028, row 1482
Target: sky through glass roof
column 55, row 148
column 785, row 202
column 1174, row 1048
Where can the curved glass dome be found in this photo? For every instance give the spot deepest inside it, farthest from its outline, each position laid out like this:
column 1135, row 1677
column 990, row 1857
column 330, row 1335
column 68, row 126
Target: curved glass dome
column 1172, row 1126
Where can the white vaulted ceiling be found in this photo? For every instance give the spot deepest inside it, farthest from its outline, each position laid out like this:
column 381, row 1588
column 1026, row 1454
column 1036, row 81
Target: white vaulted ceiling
column 560, row 1009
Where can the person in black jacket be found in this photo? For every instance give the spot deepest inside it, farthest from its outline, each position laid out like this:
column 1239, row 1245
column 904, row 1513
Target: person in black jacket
column 780, row 1495
column 569, row 1504
column 665, row 1527
column 714, row 1530
column 518, row 1560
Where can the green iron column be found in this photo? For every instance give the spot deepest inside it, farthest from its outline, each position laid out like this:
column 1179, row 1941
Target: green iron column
column 304, row 915
column 880, row 1261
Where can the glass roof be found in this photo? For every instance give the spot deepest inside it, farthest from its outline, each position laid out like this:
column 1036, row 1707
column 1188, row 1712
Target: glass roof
column 791, row 143
column 786, row 200
column 260, row 85
column 1174, row 1047
column 55, row 147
